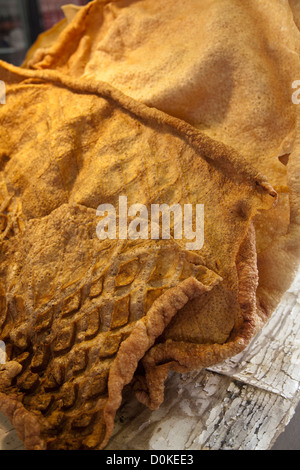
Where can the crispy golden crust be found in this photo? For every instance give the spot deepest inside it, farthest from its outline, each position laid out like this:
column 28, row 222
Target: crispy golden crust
column 64, row 317
column 227, row 70
column 81, row 317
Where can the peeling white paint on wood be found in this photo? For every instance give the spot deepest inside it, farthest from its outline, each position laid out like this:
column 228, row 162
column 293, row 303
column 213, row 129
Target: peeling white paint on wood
column 242, row 404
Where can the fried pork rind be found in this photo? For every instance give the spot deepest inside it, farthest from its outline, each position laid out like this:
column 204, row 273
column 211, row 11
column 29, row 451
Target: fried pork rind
column 225, row 67
column 164, row 102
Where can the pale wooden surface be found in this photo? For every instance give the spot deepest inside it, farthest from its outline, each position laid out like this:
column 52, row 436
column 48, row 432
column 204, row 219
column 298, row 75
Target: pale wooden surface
column 244, row 403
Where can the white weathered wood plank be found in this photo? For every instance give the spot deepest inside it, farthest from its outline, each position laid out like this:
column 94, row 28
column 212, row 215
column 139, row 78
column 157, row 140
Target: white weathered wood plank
column 242, row 404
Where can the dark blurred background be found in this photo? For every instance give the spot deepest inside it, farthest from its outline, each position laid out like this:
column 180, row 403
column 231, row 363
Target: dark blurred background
column 21, row 21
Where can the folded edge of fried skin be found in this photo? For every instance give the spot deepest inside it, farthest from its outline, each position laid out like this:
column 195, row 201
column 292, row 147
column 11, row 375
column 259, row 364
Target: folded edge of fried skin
column 278, row 272
column 49, row 37
column 181, row 356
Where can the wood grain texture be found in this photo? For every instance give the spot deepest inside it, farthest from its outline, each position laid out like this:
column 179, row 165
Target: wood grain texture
column 242, row 404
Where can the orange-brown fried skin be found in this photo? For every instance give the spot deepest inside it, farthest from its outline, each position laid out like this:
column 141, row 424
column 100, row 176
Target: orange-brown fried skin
column 225, row 67
column 77, row 313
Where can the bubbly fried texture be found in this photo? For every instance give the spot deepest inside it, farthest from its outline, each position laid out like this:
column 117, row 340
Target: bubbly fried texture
column 225, row 67
column 128, row 98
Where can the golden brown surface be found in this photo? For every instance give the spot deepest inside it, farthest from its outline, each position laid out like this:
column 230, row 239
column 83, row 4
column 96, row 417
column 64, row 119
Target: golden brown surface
column 124, row 99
